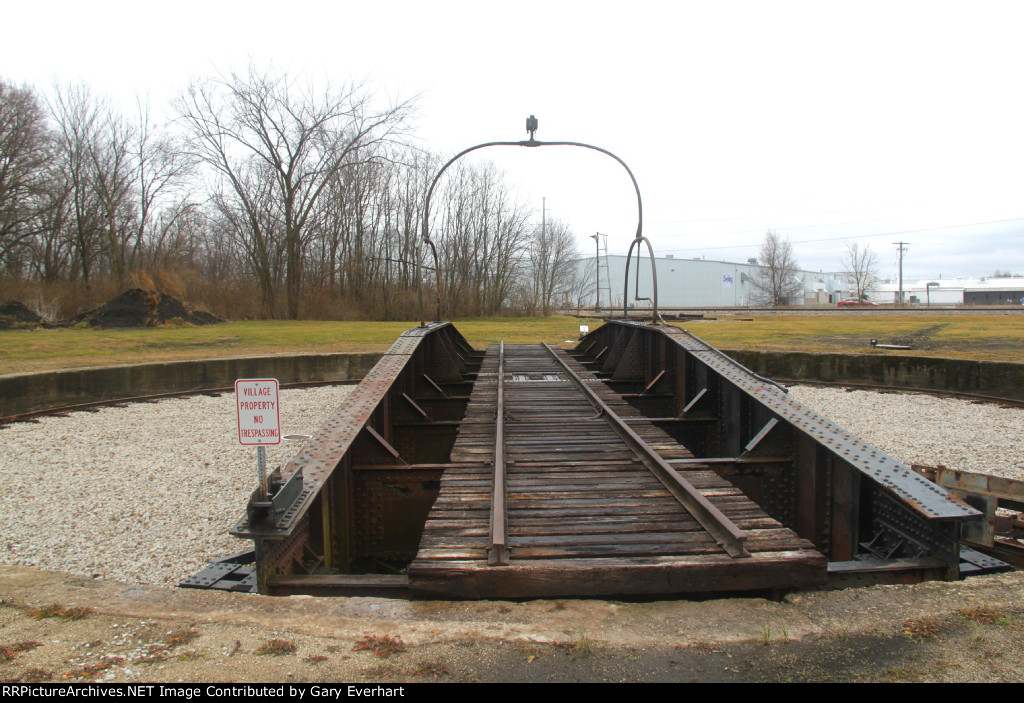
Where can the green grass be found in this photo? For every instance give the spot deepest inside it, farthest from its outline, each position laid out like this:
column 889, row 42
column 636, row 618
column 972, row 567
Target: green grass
column 42, row 349
column 998, row 337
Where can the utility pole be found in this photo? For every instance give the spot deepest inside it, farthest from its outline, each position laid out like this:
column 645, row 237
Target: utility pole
column 601, row 242
column 901, row 247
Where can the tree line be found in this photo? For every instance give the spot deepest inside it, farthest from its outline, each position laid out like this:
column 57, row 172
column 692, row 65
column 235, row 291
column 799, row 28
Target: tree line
column 777, row 283
column 263, row 196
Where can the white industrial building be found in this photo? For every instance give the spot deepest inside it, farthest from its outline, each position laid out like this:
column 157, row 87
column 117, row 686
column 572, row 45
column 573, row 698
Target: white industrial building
column 953, row 291
column 695, row 283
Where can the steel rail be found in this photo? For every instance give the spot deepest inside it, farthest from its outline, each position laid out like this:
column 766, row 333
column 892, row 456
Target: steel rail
column 497, row 551
column 92, row 405
column 724, row 530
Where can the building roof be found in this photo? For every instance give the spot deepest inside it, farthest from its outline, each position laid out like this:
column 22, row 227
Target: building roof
column 964, row 284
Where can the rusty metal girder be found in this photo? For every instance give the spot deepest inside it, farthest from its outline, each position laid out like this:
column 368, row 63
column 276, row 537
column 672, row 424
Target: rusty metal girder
column 847, row 496
column 922, row 495
column 325, row 451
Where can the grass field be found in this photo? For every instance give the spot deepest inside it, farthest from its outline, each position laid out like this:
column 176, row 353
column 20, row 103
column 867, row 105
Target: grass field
column 997, row 337
column 964, row 336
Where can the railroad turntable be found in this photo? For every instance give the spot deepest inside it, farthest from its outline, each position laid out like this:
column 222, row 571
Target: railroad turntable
column 642, row 462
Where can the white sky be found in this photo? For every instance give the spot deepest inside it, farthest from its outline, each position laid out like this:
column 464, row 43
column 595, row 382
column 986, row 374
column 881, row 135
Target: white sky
column 880, row 121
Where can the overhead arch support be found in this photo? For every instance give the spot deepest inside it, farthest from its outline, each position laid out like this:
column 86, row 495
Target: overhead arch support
column 531, row 126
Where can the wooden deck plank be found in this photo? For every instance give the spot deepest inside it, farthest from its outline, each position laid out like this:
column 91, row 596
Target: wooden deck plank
column 585, row 516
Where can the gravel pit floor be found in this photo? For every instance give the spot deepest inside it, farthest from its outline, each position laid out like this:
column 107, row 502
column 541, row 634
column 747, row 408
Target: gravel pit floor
column 925, row 429
column 144, row 493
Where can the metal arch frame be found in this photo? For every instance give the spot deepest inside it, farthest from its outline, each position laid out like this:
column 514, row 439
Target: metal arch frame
column 534, row 143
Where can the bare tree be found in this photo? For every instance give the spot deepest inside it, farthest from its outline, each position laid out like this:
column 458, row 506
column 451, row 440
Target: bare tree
column 79, row 120
column 776, row 282
column 113, row 180
column 300, row 136
column 552, row 257
column 584, row 283
column 24, row 154
column 117, row 179
column 481, row 240
column 162, row 168
column 861, row 268
column 251, row 222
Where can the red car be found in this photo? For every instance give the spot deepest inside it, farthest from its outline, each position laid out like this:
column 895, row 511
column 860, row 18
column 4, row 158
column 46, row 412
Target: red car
column 856, row 303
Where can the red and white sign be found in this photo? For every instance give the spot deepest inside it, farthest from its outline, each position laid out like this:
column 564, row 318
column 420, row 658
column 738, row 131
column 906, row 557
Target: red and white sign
column 259, row 414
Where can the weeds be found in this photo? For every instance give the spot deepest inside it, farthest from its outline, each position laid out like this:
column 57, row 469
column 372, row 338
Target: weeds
column 381, row 645
column 92, row 670
column 581, row 648
column 316, row 658
column 531, row 652
column 922, row 628
column 434, row 669
column 160, row 651
column 765, row 634
column 56, row 610
column 382, row 670
column 36, row 675
column 8, row 652
column 178, row 638
column 988, row 615
column 897, row 674
column 277, row 648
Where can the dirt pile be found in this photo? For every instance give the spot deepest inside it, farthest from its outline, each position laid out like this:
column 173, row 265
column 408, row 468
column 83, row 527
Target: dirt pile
column 14, row 314
column 139, row 308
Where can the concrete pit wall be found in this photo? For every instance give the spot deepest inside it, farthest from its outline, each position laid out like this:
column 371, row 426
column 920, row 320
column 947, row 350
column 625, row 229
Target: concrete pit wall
column 23, row 393
column 996, row 379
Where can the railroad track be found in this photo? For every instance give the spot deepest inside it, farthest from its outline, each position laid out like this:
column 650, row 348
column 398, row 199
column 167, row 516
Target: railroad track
column 95, row 406
column 587, row 497
column 644, row 462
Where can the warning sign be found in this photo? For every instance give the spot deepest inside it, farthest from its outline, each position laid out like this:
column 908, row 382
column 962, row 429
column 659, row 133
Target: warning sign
column 259, row 415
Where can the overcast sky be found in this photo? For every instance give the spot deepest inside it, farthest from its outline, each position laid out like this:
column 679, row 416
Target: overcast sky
column 828, row 122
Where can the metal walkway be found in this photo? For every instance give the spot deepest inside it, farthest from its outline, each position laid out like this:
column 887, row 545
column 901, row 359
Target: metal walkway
column 557, row 486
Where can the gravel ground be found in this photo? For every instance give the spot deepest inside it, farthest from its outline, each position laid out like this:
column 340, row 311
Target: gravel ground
column 146, row 493
column 930, row 430
column 142, row 493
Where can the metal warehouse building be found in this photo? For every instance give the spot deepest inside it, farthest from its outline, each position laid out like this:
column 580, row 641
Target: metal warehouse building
column 696, row 283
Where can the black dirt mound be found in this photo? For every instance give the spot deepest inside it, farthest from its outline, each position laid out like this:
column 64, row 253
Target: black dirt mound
column 14, row 314
column 137, row 308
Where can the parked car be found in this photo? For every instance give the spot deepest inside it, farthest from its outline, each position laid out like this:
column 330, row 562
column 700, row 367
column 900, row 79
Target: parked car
column 856, row 303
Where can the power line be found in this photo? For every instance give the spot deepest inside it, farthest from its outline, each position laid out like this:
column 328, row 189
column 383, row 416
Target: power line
column 798, row 214
column 855, row 236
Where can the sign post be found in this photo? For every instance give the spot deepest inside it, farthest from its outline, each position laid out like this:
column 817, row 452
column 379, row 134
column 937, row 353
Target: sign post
column 259, row 420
